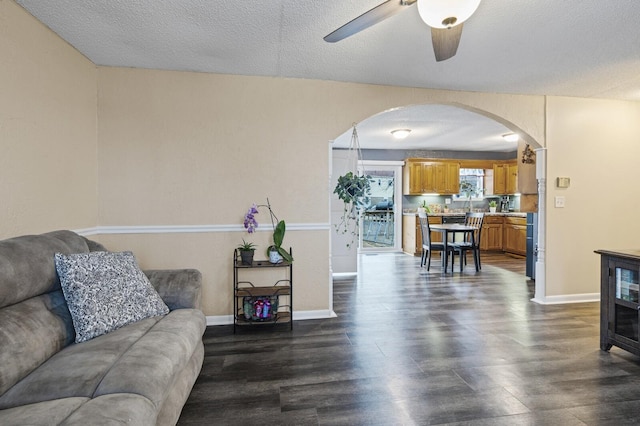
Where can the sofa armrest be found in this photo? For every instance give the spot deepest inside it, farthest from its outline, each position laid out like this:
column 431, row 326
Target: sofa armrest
column 179, row 288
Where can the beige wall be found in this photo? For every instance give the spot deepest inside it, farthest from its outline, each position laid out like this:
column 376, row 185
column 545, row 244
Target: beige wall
column 188, row 149
column 192, row 149
column 596, row 143
column 48, row 121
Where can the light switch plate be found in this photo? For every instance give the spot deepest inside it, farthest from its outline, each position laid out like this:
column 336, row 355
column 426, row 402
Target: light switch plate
column 559, row 201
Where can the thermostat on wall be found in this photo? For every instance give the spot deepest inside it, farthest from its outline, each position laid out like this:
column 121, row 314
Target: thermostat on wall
column 563, row 182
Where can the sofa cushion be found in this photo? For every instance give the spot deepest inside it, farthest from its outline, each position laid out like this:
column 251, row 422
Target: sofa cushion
column 106, row 291
column 143, row 358
column 152, row 365
column 26, row 264
column 43, row 413
column 115, row 409
column 77, row 370
column 30, row 332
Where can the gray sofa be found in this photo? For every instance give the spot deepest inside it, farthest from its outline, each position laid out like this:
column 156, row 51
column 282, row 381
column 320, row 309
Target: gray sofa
column 139, row 374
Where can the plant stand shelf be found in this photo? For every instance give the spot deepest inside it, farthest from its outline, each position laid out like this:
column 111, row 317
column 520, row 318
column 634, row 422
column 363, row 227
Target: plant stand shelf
column 278, row 296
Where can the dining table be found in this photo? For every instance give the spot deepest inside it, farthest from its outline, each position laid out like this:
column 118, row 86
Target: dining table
column 451, row 229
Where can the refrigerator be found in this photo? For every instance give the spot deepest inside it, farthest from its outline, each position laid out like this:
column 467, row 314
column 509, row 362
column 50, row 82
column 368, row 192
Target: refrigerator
column 532, row 244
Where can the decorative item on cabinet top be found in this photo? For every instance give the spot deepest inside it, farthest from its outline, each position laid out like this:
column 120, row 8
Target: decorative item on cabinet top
column 528, row 156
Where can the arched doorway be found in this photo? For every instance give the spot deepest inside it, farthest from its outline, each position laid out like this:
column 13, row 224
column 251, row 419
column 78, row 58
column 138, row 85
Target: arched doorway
column 446, row 130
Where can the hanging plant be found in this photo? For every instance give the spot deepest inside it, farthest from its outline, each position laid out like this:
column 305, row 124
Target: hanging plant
column 354, row 190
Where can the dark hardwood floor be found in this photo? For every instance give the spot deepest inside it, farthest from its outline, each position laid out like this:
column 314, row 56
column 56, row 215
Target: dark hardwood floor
column 411, row 347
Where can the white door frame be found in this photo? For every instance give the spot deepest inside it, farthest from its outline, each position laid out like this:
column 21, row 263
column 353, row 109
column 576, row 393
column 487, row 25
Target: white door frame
column 396, row 168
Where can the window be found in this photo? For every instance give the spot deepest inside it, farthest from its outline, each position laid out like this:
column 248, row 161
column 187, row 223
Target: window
column 473, row 180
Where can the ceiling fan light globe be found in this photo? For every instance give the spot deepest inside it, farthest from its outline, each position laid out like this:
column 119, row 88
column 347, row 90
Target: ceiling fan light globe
column 446, row 13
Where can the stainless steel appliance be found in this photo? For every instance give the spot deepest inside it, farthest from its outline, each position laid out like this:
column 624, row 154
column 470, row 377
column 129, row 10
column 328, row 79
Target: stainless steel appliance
column 504, row 204
column 453, row 219
column 457, row 236
column 532, row 244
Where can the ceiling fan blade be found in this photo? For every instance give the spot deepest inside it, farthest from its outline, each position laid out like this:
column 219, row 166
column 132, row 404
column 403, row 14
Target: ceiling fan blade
column 445, row 41
column 369, row 18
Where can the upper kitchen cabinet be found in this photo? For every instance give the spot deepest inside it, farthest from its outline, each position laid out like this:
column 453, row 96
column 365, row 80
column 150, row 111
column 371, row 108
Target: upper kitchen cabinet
column 447, row 178
column 505, row 178
column 517, row 176
column 431, row 177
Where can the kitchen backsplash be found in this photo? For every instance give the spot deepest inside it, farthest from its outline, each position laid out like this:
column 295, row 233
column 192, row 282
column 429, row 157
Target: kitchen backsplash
column 411, row 202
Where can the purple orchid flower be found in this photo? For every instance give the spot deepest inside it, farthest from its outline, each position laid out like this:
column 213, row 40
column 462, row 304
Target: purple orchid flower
column 250, row 222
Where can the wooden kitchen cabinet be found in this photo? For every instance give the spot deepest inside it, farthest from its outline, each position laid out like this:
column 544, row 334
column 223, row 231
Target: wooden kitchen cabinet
column 409, row 237
column 447, row 178
column 431, row 177
column 512, row 179
column 515, row 235
column 505, row 179
column 491, row 237
column 413, row 178
column 412, row 236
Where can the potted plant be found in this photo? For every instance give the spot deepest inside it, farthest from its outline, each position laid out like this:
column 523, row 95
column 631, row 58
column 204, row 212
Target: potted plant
column 424, row 208
column 353, row 190
column 492, row 206
column 247, row 251
column 275, row 251
column 468, row 190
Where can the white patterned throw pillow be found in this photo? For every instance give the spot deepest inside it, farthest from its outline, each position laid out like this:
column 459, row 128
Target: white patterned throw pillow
column 106, row 291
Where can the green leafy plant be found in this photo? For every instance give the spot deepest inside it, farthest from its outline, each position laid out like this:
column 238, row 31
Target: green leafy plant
column 245, row 246
column 352, row 188
column 278, row 237
column 493, row 203
column 354, row 191
column 467, row 189
column 279, row 229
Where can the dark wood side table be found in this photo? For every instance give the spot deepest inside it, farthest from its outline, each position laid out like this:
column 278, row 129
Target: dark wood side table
column 619, row 301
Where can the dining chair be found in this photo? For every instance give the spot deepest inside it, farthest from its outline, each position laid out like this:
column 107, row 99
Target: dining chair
column 462, row 247
column 428, row 246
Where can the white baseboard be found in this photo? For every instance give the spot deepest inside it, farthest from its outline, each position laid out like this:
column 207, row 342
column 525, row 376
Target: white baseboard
column 568, row 298
column 339, row 275
column 298, row 316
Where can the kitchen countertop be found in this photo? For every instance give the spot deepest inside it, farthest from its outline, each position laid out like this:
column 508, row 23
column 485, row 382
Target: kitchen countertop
column 506, row 214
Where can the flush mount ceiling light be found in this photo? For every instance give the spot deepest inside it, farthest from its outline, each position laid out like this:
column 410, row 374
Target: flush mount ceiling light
column 400, row 133
column 511, row 137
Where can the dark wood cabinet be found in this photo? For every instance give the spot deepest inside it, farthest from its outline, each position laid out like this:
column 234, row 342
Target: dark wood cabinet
column 619, row 303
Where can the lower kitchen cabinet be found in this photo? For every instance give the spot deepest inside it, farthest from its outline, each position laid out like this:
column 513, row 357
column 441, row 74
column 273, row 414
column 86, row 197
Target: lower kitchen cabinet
column 514, row 238
column 491, row 236
column 412, row 236
column 499, row 233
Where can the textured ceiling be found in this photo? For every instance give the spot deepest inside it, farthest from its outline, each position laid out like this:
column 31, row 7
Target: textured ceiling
column 583, row 48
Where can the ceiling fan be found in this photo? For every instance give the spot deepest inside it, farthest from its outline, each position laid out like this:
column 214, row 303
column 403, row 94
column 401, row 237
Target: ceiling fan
column 445, row 17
